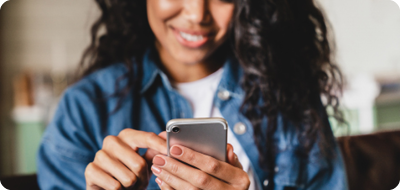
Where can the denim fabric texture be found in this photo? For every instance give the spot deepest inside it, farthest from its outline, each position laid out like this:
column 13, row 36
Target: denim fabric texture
column 84, row 118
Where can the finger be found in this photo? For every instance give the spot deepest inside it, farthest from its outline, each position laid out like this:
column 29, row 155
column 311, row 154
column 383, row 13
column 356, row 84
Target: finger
column 119, row 150
column 150, row 153
column 232, row 157
column 96, row 178
column 208, row 164
column 148, row 156
column 163, row 186
column 163, row 135
column 187, row 173
column 141, row 139
column 229, row 150
column 169, row 181
column 115, row 168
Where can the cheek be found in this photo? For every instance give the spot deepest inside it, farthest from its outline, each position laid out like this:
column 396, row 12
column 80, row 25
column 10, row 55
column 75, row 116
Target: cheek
column 158, row 13
column 222, row 18
column 163, row 9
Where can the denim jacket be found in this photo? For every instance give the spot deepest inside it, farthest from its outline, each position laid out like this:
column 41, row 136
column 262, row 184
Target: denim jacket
column 85, row 117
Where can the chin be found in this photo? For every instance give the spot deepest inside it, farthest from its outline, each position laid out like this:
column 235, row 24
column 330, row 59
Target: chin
column 191, row 58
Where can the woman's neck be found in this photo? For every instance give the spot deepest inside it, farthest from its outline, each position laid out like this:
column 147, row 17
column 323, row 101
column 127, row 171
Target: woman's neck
column 188, row 72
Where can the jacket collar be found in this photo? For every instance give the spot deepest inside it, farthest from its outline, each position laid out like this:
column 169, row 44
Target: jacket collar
column 150, row 69
column 231, row 77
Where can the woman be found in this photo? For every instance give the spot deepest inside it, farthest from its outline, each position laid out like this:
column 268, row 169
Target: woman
column 262, row 65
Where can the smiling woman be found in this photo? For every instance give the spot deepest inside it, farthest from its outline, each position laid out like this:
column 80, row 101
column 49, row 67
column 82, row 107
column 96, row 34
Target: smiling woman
column 191, row 31
column 262, row 65
column 188, row 33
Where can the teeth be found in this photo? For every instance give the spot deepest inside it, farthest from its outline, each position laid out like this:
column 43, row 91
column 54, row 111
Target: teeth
column 192, row 38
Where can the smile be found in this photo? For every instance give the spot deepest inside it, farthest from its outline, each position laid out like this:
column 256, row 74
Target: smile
column 191, row 39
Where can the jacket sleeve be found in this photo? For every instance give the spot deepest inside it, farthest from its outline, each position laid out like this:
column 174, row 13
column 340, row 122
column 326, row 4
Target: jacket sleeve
column 318, row 169
column 68, row 144
column 326, row 171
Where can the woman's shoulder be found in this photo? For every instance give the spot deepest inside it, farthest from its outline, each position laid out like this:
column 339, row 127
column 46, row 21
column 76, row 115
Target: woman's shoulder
column 101, row 82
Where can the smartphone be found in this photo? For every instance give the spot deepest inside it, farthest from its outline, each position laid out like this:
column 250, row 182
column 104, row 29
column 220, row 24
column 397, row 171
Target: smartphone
column 205, row 135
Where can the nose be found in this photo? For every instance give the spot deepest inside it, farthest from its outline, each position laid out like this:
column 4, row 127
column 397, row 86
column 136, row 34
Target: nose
column 197, row 12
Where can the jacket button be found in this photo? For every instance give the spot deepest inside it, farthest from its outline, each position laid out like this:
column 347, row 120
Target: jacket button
column 239, row 128
column 266, row 182
column 276, row 169
column 224, row 94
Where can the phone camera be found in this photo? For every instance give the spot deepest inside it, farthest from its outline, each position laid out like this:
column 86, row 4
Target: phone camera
column 176, row 129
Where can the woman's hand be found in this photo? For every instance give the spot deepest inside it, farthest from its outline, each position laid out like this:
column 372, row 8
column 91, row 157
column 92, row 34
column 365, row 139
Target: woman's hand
column 211, row 173
column 119, row 164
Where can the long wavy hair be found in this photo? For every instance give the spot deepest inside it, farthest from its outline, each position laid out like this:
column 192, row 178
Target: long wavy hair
column 282, row 46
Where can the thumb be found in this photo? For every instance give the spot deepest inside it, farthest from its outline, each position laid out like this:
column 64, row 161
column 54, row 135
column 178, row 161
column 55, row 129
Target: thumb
column 232, row 157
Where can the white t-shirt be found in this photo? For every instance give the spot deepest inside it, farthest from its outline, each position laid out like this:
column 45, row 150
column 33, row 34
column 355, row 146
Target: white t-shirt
column 200, row 95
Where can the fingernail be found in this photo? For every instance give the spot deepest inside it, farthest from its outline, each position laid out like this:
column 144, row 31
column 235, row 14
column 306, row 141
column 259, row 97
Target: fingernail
column 158, row 161
column 155, row 170
column 158, row 181
column 176, row 151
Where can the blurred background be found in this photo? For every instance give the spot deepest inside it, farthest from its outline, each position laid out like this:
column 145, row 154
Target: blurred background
column 41, row 43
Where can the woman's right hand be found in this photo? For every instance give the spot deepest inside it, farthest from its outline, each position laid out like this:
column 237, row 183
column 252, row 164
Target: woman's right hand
column 118, row 164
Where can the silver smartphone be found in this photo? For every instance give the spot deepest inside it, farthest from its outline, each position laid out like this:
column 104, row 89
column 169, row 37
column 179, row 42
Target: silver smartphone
column 205, row 135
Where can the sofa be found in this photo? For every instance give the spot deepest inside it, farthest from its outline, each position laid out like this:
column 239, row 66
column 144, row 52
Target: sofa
column 372, row 160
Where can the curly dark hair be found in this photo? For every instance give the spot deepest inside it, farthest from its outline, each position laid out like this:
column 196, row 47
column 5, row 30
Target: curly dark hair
column 282, row 45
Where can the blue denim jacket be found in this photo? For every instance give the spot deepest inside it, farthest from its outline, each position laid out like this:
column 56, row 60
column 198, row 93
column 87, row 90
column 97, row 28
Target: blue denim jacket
column 83, row 120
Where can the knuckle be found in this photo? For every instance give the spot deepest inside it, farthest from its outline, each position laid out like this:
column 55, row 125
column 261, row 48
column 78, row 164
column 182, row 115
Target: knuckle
column 89, row 169
column 168, row 179
column 203, row 180
column 100, row 156
column 150, row 137
column 124, row 132
column 174, row 168
column 115, row 186
column 192, row 188
column 214, row 167
column 129, row 180
column 191, row 156
column 140, row 165
column 109, row 141
column 245, row 182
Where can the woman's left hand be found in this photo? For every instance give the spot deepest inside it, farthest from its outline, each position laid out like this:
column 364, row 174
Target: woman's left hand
column 211, row 173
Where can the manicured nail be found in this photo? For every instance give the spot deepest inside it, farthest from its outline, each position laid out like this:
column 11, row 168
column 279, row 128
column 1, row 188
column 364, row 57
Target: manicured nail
column 158, row 161
column 158, row 181
column 155, row 170
column 176, row 151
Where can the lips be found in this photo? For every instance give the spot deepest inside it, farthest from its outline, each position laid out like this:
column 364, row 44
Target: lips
column 191, row 39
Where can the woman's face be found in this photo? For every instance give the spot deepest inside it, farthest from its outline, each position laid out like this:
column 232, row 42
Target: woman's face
column 188, row 31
